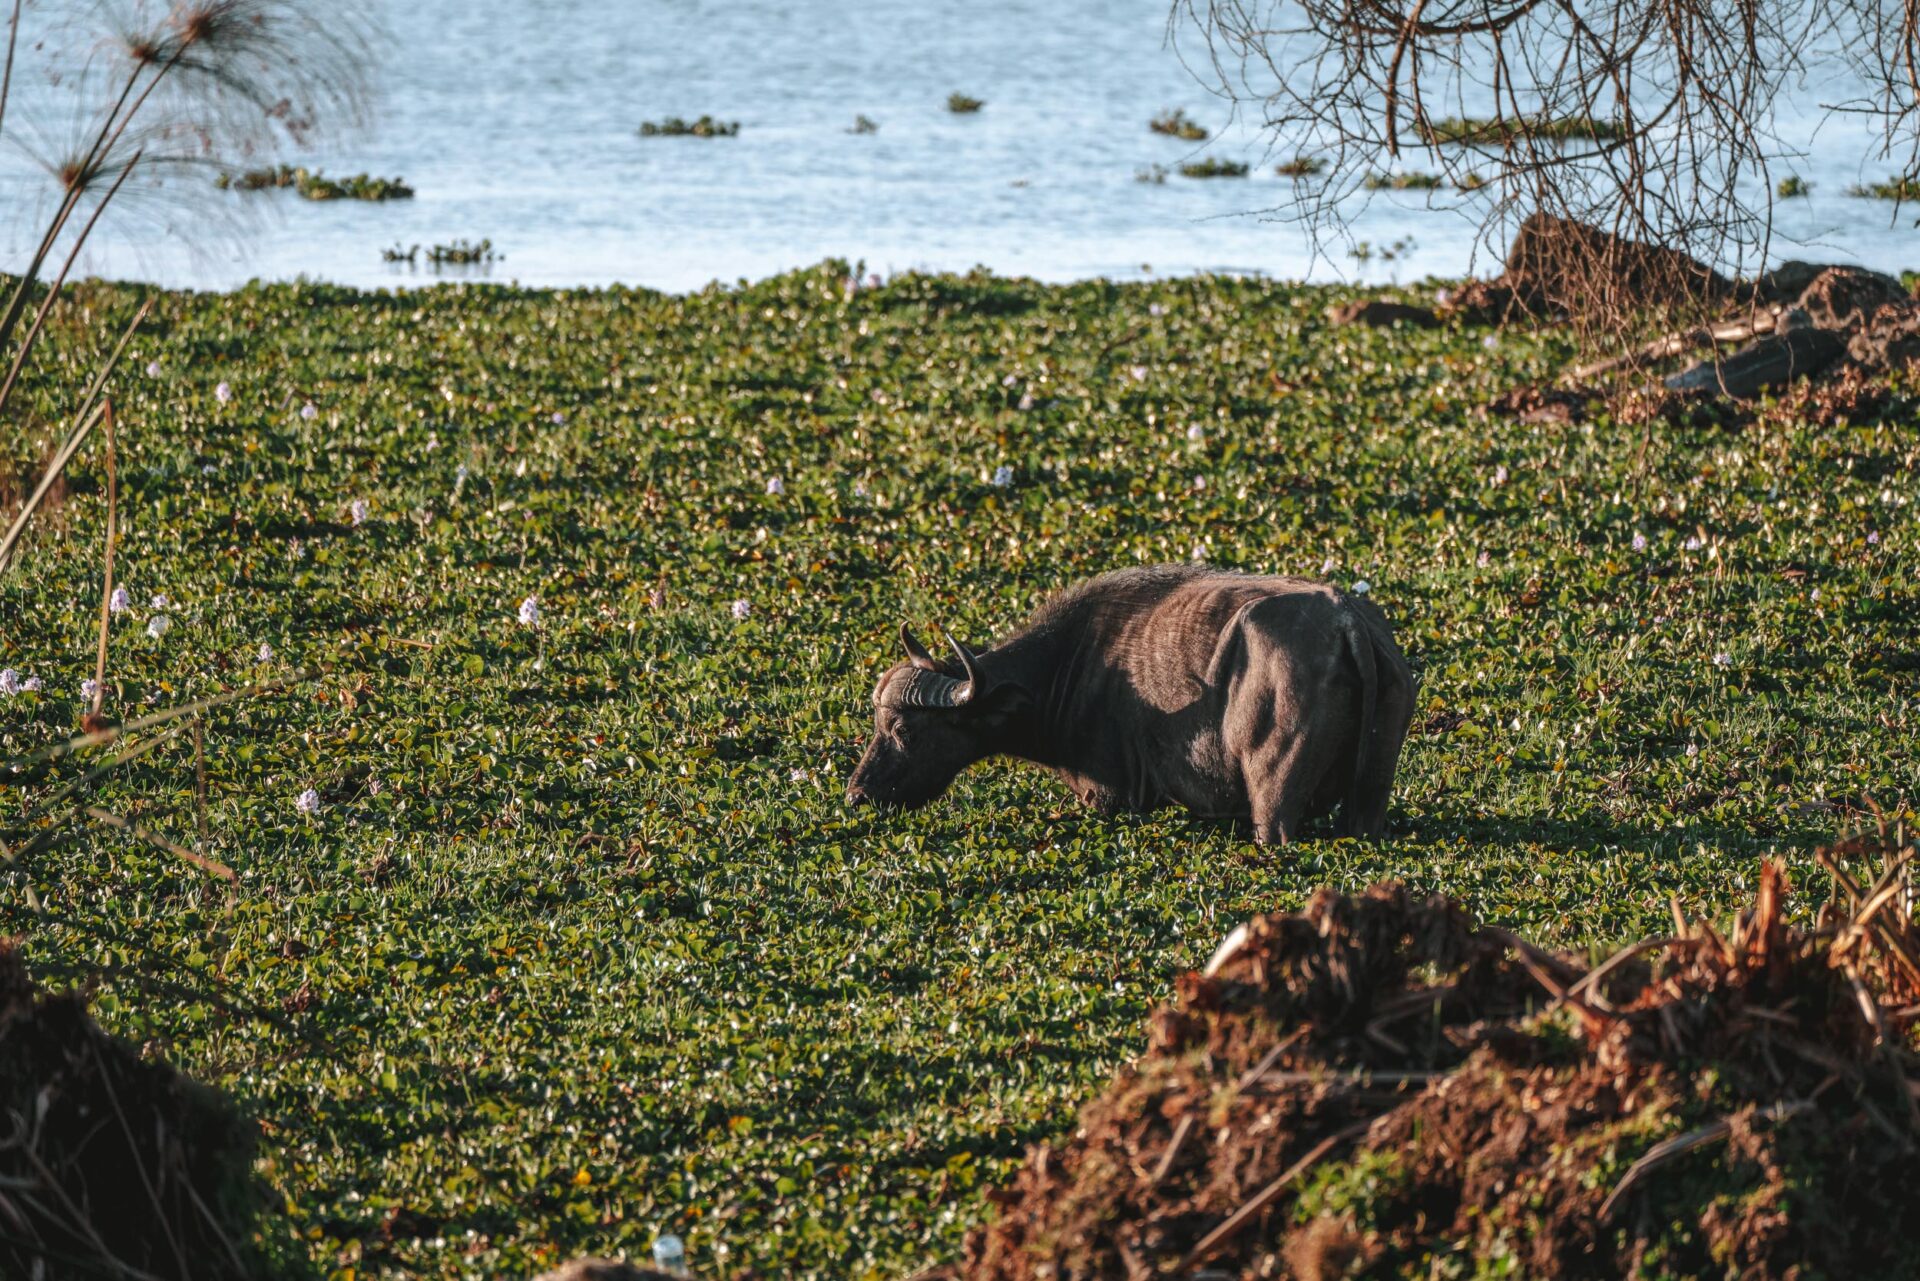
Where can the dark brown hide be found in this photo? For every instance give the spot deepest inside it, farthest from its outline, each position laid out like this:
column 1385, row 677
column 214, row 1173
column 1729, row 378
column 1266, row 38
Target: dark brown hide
column 1265, row 699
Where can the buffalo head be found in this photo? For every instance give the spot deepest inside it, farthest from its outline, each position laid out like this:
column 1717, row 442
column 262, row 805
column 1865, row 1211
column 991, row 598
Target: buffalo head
column 929, row 722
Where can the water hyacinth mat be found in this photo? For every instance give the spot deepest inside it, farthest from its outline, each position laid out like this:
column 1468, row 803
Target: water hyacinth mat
column 578, row 599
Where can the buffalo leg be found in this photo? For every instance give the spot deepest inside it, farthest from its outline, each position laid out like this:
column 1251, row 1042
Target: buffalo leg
column 1280, row 785
column 1365, row 814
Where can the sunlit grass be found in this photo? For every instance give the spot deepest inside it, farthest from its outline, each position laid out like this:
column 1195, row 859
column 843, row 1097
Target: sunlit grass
column 575, row 897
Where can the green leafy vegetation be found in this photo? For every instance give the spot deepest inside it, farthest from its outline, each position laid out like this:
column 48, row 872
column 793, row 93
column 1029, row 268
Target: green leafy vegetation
column 1401, row 182
column 590, row 946
column 1472, row 181
column 704, row 127
column 1792, row 187
column 861, row 124
column 1474, row 131
column 961, row 105
column 1177, row 124
column 1895, row 188
column 1302, row 167
column 1213, row 167
column 316, row 186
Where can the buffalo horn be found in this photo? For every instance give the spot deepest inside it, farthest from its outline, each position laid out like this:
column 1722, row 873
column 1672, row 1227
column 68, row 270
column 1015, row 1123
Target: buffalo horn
column 976, row 679
column 916, row 652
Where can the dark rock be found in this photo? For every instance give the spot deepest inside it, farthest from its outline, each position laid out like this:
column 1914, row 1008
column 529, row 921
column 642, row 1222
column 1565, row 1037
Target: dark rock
column 1768, row 362
column 1383, row 315
column 1786, row 282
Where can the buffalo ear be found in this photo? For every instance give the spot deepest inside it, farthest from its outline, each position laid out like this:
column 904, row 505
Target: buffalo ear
column 916, row 652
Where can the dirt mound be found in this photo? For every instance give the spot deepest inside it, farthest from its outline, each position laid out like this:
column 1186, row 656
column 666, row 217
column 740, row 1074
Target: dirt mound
column 111, row 1165
column 1557, row 266
column 1377, row 1086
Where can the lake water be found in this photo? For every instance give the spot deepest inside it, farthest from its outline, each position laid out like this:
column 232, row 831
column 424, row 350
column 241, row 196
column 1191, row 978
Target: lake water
column 516, row 121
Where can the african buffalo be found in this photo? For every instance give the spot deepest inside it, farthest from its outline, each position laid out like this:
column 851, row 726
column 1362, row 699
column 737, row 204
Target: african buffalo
column 1238, row 696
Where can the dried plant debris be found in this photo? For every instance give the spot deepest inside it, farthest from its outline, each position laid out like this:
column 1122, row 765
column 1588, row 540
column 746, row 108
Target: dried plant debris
column 112, row 1165
column 1378, row 1086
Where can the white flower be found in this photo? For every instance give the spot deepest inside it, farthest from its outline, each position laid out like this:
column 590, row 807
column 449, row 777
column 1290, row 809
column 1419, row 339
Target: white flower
column 308, row 802
column 1362, row 587
column 266, row 652
column 460, row 474
column 1002, row 476
column 859, row 489
column 1199, row 482
column 309, row 412
column 119, row 601
column 1873, row 539
column 1693, row 543
column 1500, row 474
column 775, row 485
column 1484, row 559
column 1008, row 381
column 223, row 393
column 1199, row 551
column 1156, row 310
column 88, row 689
column 742, row 608
column 1489, row 342
column 9, row 681
column 1441, row 297
column 657, row 598
column 159, row 601
column 357, row 511
column 797, row 776
column 1196, row 433
column 31, row 685
column 158, row 625
column 1026, row 401
column 1693, row 749
column 1639, row 541
column 530, row 611
column 1327, row 566
column 558, row 418
column 433, row 441
column 1723, row 659
column 209, row 470
column 153, row 369
column 1139, row 373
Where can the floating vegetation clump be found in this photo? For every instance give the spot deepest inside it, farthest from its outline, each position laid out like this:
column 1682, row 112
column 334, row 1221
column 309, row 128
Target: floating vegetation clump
column 961, row 105
column 1401, row 182
column 1792, row 187
column 862, row 124
column 1177, row 124
column 1302, row 167
column 460, row 253
column 1896, row 188
column 315, row 185
column 1367, row 251
column 1156, row 174
column 1473, row 131
column 1212, row 167
column 704, row 127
